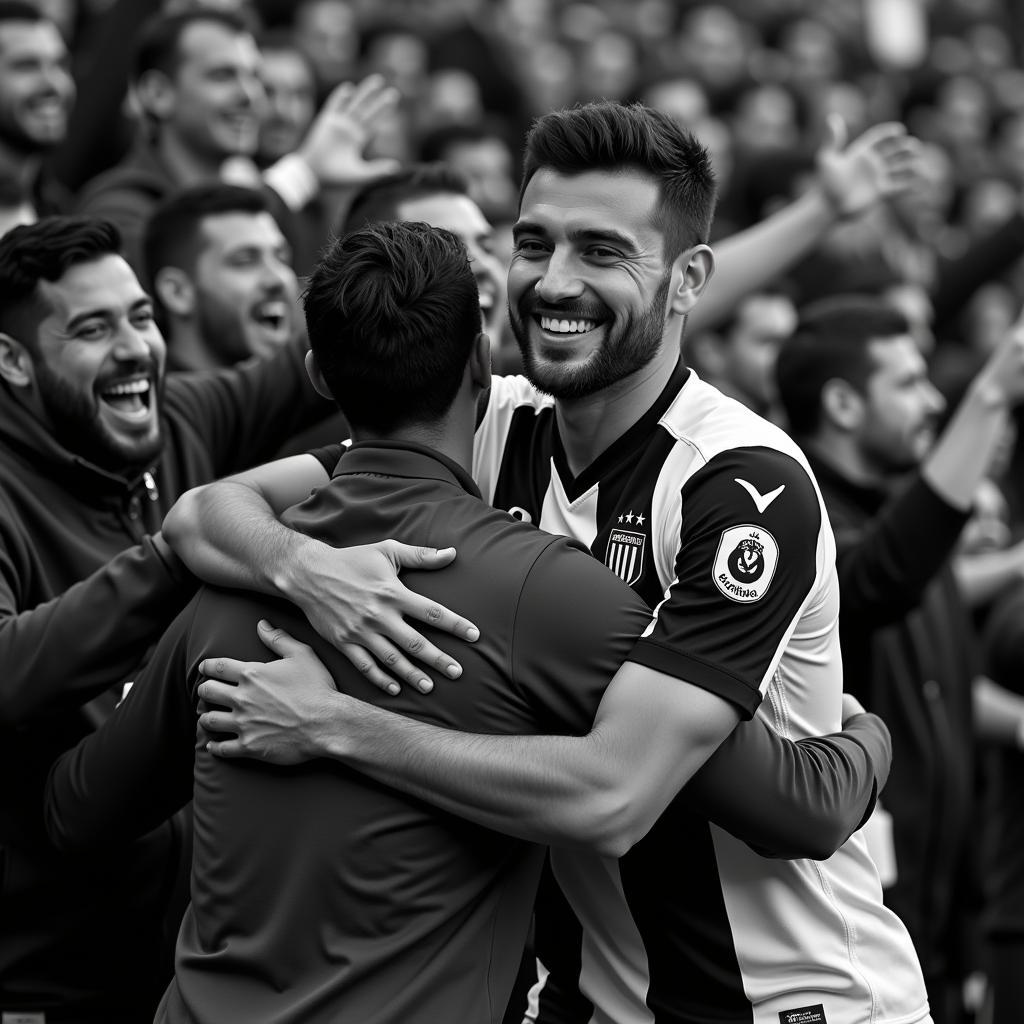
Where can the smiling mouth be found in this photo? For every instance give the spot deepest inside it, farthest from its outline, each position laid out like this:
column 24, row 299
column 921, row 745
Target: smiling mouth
column 564, row 326
column 131, row 398
column 272, row 315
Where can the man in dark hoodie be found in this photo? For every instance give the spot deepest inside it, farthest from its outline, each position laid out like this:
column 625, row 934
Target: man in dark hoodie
column 95, row 444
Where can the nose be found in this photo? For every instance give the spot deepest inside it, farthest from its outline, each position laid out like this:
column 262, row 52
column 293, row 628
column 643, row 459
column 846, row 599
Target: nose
column 934, row 399
column 132, row 345
column 559, row 280
column 276, row 274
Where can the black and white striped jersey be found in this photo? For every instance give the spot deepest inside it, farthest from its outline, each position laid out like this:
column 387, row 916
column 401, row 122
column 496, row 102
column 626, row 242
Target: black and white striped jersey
column 712, row 515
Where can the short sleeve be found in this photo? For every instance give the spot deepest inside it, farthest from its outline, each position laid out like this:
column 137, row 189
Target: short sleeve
column 749, row 556
column 328, row 456
column 575, row 625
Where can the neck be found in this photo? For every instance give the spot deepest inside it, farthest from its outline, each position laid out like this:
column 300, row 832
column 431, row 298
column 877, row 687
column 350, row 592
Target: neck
column 589, row 425
column 840, row 454
column 19, row 165
column 187, row 351
column 185, row 166
column 451, row 436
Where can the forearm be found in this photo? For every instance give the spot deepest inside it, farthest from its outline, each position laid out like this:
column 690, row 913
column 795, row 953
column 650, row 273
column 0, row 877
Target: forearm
column 983, row 575
column 70, row 649
column 962, row 455
column 796, row 800
column 228, row 535
column 578, row 791
column 998, row 713
column 753, row 258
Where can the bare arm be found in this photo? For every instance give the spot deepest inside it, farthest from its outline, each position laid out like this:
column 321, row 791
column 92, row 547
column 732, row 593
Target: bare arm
column 851, row 179
column 963, row 454
column 602, row 791
column 228, row 534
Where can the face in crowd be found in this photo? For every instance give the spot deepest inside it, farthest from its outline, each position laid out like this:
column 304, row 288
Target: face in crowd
column 37, row 91
column 901, row 407
column 460, row 215
column 588, row 284
column 99, row 364
column 245, row 291
column 215, row 101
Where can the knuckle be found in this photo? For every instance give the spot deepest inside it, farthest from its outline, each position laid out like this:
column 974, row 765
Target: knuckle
column 415, row 644
column 434, row 614
column 391, row 658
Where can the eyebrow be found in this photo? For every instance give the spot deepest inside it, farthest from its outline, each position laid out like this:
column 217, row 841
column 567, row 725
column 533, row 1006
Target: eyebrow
column 582, row 235
column 106, row 314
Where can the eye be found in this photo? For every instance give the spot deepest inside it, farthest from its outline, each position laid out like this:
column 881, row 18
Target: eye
column 603, row 252
column 142, row 317
column 530, row 248
column 93, row 330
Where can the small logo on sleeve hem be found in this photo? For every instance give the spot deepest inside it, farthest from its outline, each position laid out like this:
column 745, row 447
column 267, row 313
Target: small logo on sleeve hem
column 804, row 1015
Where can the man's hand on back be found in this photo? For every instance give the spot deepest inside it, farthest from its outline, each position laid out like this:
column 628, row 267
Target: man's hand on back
column 275, row 710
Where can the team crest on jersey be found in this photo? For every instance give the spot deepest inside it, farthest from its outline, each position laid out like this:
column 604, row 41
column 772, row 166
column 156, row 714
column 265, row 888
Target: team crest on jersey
column 625, row 554
column 745, row 563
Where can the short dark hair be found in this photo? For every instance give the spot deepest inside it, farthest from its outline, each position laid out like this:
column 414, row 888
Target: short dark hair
column 379, row 201
column 831, row 341
column 45, row 251
column 159, row 43
column 392, row 311
column 610, row 136
column 20, row 10
column 171, row 234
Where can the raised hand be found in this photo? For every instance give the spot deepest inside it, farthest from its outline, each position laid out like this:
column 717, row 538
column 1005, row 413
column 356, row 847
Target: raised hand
column 334, row 145
column 882, row 162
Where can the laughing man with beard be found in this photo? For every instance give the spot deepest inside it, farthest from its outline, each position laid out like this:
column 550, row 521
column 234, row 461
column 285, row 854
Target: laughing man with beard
column 220, row 273
column 95, row 444
column 37, row 93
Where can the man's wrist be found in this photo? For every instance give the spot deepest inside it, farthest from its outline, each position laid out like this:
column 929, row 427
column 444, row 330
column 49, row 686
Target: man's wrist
column 290, row 574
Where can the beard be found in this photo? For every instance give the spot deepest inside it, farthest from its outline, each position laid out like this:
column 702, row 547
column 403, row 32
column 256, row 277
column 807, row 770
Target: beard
column 15, row 138
column 622, row 353
column 75, row 418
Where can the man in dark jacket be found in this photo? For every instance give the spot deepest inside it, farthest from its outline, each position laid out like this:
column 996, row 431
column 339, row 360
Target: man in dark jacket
column 856, row 392
column 95, row 445
column 196, row 75
column 37, row 93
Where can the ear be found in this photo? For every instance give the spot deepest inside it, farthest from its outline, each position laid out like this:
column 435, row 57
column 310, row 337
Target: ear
column 480, row 361
column 691, row 272
column 316, row 377
column 156, row 95
column 16, row 364
column 175, row 290
column 842, row 405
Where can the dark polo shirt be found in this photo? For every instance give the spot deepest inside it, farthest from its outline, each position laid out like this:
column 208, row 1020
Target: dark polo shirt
column 318, row 895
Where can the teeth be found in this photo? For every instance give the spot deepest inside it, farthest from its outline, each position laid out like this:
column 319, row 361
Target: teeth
column 273, row 313
column 132, row 387
column 567, row 326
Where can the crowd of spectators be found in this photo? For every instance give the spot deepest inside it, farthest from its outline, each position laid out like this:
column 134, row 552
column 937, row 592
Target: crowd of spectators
column 228, row 149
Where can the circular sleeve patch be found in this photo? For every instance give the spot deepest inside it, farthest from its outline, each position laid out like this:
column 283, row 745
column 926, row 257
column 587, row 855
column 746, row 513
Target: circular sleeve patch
column 745, row 563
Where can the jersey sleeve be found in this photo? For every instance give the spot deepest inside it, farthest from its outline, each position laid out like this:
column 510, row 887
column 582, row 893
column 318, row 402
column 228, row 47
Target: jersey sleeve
column 328, row 456
column 749, row 555
column 788, row 798
column 575, row 625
